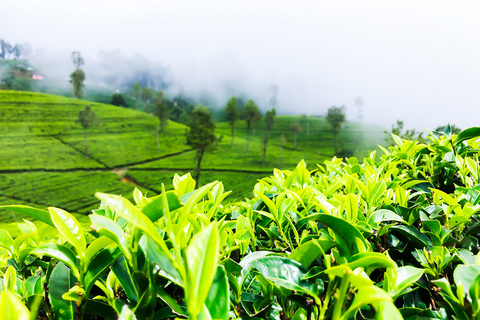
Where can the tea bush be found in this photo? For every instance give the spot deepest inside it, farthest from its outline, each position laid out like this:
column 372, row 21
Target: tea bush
column 390, row 239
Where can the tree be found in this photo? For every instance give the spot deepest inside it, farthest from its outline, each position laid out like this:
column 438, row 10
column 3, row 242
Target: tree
column 201, row 135
column 296, row 128
column 147, row 94
column 118, row 100
column 264, row 137
column 336, row 116
column 78, row 76
column 252, row 114
column 161, row 112
column 283, row 141
column 77, row 59
column 87, row 118
column 269, row 121
column 231, row 110
column 305, row 123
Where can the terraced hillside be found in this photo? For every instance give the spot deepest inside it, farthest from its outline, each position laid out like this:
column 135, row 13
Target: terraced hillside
column 42, row 159
column 40, row 131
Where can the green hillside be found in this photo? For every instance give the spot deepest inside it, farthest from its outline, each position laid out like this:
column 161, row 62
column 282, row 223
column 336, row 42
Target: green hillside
column 40, row 131
column 42, row 158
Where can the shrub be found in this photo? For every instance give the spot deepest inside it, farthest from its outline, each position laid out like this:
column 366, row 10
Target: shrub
column 395, row 238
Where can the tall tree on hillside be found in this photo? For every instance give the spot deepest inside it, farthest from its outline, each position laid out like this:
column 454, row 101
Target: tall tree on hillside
column 269, row 121
column 201, row 135
column 161, row 112
column 78, row 76
column 252, row 114
column 336, row 116
column 231, row 110
column 296, row 128
column 87, row 118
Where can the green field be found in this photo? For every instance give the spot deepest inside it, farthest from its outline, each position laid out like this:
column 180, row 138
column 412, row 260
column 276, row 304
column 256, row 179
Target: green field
column 42, row 160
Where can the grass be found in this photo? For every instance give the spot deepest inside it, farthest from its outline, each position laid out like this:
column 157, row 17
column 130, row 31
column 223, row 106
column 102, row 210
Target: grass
column 42, row 161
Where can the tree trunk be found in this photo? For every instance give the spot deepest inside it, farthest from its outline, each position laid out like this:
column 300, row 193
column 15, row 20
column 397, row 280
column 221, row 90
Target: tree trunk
column 281, row 156
column 86, row 145
column 233, row 133
column 248, row 136
column 335, row 142
column 264, row 152
column 197, row 174
column 158, row 139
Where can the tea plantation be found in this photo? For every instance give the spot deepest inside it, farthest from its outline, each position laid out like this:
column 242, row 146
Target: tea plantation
column 394, row 237
column 42, row 160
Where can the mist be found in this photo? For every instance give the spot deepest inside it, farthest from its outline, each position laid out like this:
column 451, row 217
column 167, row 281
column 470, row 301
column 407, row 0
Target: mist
column 413, row 61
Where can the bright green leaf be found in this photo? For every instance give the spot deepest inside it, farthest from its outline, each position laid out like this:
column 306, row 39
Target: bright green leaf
column 70, row 228
column 201, row 260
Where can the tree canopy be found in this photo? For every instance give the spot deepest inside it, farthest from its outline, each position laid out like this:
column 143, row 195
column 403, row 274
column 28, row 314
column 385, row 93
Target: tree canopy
column 118, row 100
column 160, row 109
column 78, row 76
column 232, row 114
column 87, row 118
column 201, row 135
column 270, row 119
column 336, row 116
column 251, row 113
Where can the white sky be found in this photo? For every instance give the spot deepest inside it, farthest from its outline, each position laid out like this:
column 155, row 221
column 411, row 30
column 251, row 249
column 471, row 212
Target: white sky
column 418, row 61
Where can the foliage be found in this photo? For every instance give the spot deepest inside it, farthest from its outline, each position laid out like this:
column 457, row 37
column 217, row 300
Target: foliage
column 118, row 100
column 15, row 75
column 454, row 129
column 390, row 239
column 296, row 128
column 160, row 110
column 76, row 78
column 201, row 135
column 251, row 114
column 283, row 141
column 336, row 116
column 269, row 121
column 304, row 121
column 87, row 118
column 231, row 111
column 77, row 59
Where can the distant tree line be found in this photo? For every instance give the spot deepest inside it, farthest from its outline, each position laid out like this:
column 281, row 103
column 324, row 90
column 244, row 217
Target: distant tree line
column 15, row 71
column 16, row 51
